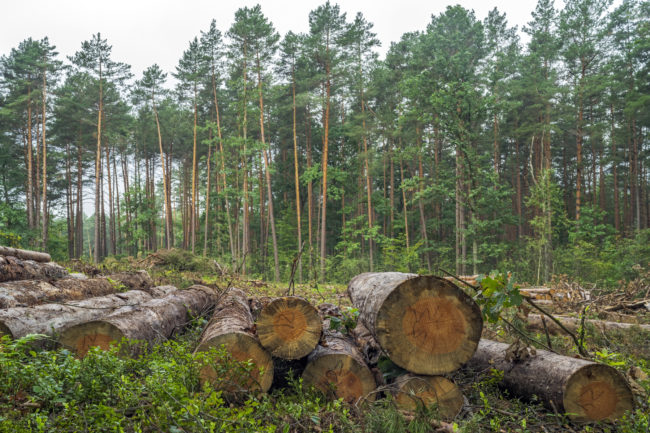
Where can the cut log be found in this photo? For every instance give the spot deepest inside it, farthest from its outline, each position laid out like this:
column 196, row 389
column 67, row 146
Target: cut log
column 573, row 324
column 149, row 323
column 36, row 256
column 367, row 344
column 584, row 390
column 337, row 368
column 49, row 319
column 411, row 391
column 289, row 327
column 14, row 269
column 233, row 328
column 33, row 292
column 284, row 369
column 425, row 324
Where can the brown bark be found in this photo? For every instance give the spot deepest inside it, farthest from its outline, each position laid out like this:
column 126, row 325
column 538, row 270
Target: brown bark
column 232, row 326
column 337, row 368
column 296, row 175
column 425, row 324
column 584, row 390
column 25, row 254
column 151, row 322
column 51, row 318
column 13, row 268
column 289, row 327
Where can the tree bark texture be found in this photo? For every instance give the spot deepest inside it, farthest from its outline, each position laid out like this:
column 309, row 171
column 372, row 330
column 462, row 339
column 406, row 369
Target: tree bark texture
column 425, row 324
column 233, row 328
column 584, row 390
column 14, row 268
column 36, row 256
column 573, row 324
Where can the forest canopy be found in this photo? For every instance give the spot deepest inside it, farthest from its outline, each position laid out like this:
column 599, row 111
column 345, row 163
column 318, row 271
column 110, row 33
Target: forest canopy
column 462, row 149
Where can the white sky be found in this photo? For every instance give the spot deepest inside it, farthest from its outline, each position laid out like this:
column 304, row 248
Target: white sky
column 144, row 32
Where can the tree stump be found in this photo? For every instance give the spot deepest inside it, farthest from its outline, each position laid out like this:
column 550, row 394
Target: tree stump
column 584, row 390
column 289, row 327
column 425, row 324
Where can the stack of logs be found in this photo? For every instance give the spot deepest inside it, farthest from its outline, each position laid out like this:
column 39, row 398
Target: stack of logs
column 425, row 325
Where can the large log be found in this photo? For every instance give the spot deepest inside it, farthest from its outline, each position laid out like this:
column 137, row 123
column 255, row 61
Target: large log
column 149, row 323
column 36, row 256
column 425, row 324
column 411, row 391
column 584, row 390
column 289, row 327
column 573, row 324
column 337, row 368
column 33, row 292
column 49, row 319
column 14, row 269
column 233, row 328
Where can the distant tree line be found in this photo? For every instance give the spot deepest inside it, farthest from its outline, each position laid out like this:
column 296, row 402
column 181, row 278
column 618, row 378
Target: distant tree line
column 463, row 148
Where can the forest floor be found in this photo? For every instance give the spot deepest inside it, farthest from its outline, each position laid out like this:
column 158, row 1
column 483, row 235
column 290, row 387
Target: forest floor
column 184, row 407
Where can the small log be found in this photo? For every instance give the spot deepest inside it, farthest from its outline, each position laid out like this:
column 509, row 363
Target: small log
column 36, row 256
column 573, row 324
column 232, row 326
column 411, row 391
column 49, row 319
column 289, row 327
column 425, row 324
column 34, row 292
column 149, row 323
column 14, row 269
column 586, row 391
column 337, row 368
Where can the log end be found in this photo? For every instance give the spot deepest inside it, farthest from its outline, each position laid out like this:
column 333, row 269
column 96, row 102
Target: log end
column 341, row 376
column 80, row 338
column 427, row 325
column 597, row 392
column 429, row 391
column 243, row 348
column 289, row 327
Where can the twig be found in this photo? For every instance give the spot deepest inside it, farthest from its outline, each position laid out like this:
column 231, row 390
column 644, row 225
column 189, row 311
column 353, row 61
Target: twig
column 548, row 337
column 291, row 290
column 582, row 326
column 456, row 277
column 527, row 337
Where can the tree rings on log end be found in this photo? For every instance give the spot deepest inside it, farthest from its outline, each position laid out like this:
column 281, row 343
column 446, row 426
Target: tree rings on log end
column 289, row 327
column 80, row 338
column 411, row 391
column 243, row 348
column 429, row 326
column 340, row 376
column 597, row 392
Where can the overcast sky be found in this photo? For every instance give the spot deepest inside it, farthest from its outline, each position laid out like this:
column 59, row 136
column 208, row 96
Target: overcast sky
column 144, row 32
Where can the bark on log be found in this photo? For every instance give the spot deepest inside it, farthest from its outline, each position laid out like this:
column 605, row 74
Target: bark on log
column 36, row 256
column 33, row 292
column 14, row 269
column 411, row 391
column 289, row 327
column 425, row 324
column 337, row 368
column 49, row 319
column 584, row 390
column 149, row 323
column 573, row 324
column 232, row 326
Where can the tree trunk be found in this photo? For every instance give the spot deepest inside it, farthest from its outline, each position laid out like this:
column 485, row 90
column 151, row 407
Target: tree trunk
column 425, row 324
column 25, row 254
column 50, row 319
column 98, row 162
column 289, row 327
column 44, row 232
column 337, row 368
column 326, row 120
column 232, row 326
column 13, row 268
column 151, row 322
column 584, row 390
column 297, row 177
column 410, row 391
column 573, row 324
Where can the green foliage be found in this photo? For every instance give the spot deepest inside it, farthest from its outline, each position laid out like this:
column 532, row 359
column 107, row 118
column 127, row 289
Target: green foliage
column 497, row 293
column 347, row 322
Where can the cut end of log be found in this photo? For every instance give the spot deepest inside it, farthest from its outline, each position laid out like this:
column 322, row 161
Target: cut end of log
column 342, row 376
column 427, row 325
column 243, row 348
column 412, row 391
column 289, row 327
column 80, row 338
column 595, row 393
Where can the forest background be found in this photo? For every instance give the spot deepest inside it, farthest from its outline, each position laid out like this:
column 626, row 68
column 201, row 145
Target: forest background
column 463, row 149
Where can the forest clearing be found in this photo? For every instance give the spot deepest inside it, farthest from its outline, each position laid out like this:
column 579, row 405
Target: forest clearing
column 292, row 223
